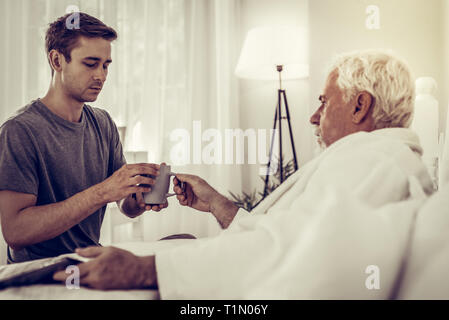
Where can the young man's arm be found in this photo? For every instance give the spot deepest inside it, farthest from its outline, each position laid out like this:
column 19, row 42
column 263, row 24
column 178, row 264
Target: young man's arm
column 24, row 223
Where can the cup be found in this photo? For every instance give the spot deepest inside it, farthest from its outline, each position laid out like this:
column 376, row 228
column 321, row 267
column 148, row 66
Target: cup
column 159, row 190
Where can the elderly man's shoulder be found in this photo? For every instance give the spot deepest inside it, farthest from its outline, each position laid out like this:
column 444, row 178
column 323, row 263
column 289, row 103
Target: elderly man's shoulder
column 374, row 164
column 364, row 152
column 384, row 143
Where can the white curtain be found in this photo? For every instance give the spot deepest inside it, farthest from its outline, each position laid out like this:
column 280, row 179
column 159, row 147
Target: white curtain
column 172, row 65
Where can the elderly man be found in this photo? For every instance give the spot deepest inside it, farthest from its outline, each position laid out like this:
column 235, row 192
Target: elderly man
column 321, row 215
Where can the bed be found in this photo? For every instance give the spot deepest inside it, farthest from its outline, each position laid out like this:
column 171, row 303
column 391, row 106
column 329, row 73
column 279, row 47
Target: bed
column 422, row 274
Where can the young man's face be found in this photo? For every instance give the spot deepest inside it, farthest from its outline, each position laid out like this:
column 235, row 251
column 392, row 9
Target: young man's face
column 83, row 77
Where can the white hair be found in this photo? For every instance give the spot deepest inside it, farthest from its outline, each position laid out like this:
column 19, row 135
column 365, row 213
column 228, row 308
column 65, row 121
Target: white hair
column 386, row 78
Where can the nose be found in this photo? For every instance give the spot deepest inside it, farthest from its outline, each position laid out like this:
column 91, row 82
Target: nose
column 315, row 118
column 100, row 75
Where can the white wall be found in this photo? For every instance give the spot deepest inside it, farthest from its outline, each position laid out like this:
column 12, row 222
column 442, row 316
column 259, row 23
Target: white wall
column 415, row 29
column 444, row 88
column 257, row 99
column 411, row 28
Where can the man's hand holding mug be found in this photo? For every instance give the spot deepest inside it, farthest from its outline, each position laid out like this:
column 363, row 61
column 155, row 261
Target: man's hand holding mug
column 198, row 194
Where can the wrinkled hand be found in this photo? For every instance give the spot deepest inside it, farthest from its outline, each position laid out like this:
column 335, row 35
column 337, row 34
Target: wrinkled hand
column 197, row 194
column 127, row 180
column 113, row 268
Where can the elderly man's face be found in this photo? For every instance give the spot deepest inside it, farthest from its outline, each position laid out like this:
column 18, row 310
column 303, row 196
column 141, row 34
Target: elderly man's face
column 335, row 118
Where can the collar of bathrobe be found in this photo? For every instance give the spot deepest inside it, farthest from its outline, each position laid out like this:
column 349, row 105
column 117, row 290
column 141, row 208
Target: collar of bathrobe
column 405, row 135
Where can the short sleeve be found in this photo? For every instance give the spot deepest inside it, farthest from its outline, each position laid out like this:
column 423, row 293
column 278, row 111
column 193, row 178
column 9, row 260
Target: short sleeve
column 18, row 162
column 117, row 158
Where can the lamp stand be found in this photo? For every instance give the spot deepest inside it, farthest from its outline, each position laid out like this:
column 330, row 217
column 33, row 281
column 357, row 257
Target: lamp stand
column 277, row 122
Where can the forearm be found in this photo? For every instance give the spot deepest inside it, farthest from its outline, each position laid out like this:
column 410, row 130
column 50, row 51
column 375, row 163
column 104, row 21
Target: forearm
column 224, row 210
column 39, row 223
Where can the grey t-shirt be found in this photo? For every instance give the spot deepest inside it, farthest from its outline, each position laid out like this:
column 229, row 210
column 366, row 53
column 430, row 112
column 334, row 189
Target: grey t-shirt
column 52, row 158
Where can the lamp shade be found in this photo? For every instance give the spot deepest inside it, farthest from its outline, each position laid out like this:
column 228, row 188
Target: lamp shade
column 267, row 47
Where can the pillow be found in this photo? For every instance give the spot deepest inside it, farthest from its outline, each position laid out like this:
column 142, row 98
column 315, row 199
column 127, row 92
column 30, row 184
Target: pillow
column 425, row 275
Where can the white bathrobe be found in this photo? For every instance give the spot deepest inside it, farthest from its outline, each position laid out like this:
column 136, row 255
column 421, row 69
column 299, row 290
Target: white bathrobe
column 336, row 229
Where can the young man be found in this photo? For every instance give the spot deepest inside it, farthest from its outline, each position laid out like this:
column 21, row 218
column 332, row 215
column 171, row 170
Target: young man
column 351, row 207
column 61, row 160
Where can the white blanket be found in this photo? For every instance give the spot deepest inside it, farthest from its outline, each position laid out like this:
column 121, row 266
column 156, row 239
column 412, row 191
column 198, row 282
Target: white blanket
column 347, row 210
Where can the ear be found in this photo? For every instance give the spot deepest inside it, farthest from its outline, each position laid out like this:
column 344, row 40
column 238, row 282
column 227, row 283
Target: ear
column 363, row 102
column 55, row 59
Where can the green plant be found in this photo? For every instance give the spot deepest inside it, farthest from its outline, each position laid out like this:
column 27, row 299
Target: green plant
column 287, row 170
column 245, row 201
column 249, row 201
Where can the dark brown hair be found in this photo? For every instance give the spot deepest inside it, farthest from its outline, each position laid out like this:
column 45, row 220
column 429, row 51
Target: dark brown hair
column 63, row 34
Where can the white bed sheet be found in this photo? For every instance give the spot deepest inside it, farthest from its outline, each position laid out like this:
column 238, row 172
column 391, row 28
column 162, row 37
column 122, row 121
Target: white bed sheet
column 60, row 292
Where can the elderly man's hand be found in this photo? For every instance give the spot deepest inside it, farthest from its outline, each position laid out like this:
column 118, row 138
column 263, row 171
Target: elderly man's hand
column 198, row 194
column 113, row 268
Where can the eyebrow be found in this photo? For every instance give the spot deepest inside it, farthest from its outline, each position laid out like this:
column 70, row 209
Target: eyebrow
column 97, row 59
